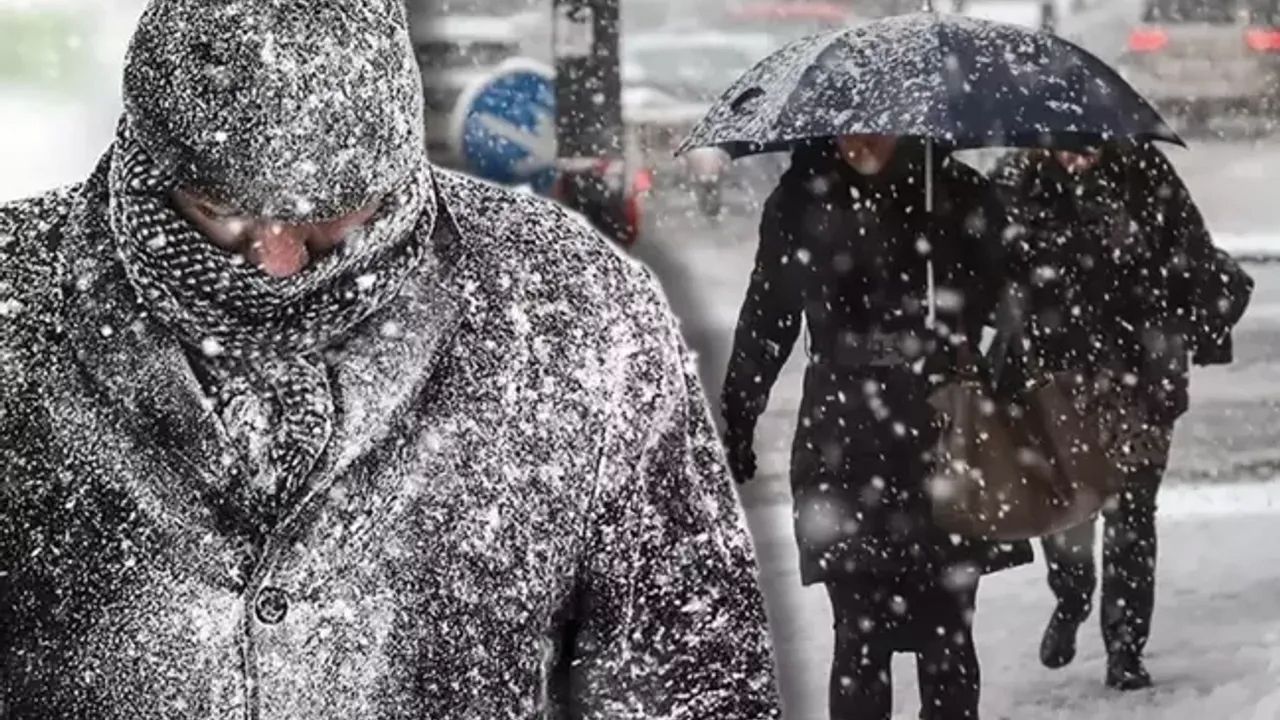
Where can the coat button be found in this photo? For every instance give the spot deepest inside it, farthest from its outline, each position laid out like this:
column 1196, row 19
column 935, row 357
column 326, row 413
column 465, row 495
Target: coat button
column 272, row 605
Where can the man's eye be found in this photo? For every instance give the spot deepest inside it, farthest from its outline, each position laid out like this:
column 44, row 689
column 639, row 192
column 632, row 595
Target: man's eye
column 216, row 213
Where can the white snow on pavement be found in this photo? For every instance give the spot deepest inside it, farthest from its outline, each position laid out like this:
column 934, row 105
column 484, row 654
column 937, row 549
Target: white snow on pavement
column 1264, row 246
column 1215, row 648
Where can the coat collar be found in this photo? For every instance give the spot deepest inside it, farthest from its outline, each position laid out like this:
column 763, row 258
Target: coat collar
column 142, row 375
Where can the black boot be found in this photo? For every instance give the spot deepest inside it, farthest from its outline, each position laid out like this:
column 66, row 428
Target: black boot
column 1126, row 672
column 1058, row 646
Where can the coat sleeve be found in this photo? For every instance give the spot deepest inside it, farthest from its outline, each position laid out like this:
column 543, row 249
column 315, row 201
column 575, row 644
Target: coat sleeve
column 770, row 319
column 1177, row 283
column 990, row 259
column 671, row 621
column 1210, row 290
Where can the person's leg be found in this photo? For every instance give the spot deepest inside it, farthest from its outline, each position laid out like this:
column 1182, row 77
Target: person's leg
column 947, row 663
column 1129, row 578
column 1072, row 578
column 1072, row 573
column 861, row 683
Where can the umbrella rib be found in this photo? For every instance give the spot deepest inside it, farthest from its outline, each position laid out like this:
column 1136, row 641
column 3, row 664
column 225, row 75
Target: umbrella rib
column 811, row 60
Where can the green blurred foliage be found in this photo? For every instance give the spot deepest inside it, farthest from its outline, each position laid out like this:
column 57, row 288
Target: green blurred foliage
column 41, row 48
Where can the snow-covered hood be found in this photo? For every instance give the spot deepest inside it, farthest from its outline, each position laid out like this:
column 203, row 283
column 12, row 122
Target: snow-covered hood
column 278, row 107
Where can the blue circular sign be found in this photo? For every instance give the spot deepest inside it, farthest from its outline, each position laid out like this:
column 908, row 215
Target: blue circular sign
column 505, row 126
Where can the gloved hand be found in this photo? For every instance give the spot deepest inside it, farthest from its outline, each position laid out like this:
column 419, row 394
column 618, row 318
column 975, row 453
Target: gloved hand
column 739, row 445
column 1163, row 377
column 1167, row 399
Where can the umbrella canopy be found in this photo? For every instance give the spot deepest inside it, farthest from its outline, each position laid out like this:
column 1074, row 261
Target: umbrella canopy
column 960, row 81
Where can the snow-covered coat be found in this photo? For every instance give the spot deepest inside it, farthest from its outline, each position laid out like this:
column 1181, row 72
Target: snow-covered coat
column 522, row 511
column 841, row 253
column 1122, row 271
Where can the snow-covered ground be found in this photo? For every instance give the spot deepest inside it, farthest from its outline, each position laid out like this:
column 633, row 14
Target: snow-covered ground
column 1214, row 653
column 1261, row 245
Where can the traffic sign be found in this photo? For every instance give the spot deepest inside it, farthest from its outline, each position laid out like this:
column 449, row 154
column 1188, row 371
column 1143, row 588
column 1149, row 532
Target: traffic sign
column 504, row 125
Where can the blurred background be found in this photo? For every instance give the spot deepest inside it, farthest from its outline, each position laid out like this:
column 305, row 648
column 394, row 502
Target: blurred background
column 1212, row 65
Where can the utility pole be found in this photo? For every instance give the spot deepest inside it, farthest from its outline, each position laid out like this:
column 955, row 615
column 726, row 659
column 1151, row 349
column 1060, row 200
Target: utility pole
column 589, row 129
column 1048, row 16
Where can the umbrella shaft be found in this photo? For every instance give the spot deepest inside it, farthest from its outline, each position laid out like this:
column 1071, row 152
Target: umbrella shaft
column 928, row 175
column 930, row 292
column 931, row 296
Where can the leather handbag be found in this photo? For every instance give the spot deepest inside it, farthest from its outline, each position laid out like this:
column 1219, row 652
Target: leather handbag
column 1018, row 469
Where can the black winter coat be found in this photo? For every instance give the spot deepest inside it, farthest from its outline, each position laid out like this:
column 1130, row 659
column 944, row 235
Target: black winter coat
column 1121, row 270
column 523, row 510
column 846, row 255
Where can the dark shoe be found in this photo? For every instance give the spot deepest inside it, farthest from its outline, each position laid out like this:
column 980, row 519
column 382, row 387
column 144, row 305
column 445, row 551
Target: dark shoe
column 1125, row 672
column 1058, row 646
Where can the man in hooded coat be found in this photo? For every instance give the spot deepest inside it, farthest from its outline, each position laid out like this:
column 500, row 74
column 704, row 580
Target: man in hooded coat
column 1125, row 288
column 295, row 426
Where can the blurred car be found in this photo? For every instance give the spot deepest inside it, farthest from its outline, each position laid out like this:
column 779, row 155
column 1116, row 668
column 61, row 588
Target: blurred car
column 693, row 66
column 871, row 9
column 670, row 81
column 649, row 16
column 1200, row 58
column 787, row 20
column 1033, row 14
column 611, row 193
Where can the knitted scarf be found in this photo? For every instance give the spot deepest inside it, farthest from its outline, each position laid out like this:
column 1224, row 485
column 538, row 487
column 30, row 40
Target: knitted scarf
column 258, row 340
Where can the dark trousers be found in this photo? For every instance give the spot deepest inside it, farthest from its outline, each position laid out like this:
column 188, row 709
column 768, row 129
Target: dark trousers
column 1128, row 566
column 873, row 620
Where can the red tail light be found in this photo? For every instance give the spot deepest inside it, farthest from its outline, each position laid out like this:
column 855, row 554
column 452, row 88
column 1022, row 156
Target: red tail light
column 643, row 182
column 633, row 211
column 1263, row 39
column 1145, row 40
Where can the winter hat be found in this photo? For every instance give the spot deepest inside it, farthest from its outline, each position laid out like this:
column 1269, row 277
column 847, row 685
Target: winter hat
column 294, row 109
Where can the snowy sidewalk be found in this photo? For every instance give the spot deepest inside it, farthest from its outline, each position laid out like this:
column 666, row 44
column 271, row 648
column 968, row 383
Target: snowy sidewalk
column 1215, row 648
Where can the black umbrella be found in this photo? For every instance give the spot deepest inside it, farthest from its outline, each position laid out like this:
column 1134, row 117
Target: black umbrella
column 959, row 81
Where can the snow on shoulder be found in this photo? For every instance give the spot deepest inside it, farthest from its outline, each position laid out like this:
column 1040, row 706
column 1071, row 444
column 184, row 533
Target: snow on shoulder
column 28, row 232
column 543, row 256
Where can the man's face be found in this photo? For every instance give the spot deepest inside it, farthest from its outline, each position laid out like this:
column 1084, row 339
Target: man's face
column 868, row 154
column 277, row 248
column 1078, row 162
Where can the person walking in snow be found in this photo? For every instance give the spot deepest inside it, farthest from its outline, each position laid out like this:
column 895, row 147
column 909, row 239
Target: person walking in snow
column 296, row 426
column 844, row 248
column 1125, row 288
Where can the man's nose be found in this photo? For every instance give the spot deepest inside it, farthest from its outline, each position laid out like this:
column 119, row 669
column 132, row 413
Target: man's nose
column 279, row 249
